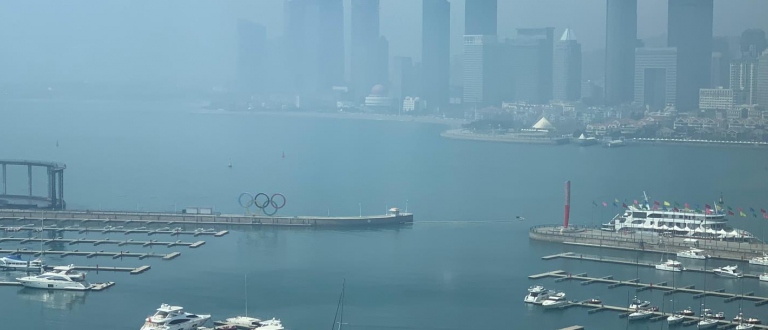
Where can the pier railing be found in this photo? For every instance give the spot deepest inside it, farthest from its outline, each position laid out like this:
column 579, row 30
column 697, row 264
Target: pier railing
column 593, row 236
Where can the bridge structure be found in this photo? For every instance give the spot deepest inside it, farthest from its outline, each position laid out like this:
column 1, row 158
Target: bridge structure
column 53, row 199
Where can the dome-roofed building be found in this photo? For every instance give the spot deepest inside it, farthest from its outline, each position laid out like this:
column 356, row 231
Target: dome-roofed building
column 378, row 99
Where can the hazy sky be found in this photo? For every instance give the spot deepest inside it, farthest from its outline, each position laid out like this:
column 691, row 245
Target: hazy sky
column 183, row 41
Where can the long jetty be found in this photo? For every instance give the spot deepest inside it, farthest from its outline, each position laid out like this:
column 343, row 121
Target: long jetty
column 584, row 279
column 394, row 217
column 96, row 242
column 92, row 254
column 620, row 261
column 110, row 229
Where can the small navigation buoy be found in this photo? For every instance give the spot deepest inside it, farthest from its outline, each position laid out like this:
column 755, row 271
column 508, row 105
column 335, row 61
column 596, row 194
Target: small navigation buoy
column 57, row 143
column 230, row 163
column 519, row 218
column 283, row 154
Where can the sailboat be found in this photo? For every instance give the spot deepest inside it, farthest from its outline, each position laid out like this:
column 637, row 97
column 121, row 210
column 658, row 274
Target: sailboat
column 706, row 321
column 339, row 309
column 742, row 325
column 251, row 322
column 676, row 317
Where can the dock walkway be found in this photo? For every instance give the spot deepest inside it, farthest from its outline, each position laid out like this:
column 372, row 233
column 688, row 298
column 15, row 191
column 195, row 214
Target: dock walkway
column 91, row 254
column 96, row 242
column 612, row 283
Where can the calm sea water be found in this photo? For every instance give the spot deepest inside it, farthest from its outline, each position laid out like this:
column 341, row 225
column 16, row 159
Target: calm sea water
column 463, row 264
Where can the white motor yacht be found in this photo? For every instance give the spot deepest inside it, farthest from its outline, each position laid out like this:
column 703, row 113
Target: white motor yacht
column 537, row 294
column 706, row 323
column 687, row 312
column 671, row 265
column 556, row 300
column 51, row 281
column 170, row 317
column 762, row 260
column 675, row 318
column 717, row 316
column 640, row 314
column 693, row 254
column 728, row 271
column 745, row 326
column 69, row 272
column 252, row 323
column 764, row 277
column 15, row 262
column 637, row 304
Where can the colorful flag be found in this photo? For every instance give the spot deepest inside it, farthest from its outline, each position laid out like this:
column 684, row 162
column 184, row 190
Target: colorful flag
column 708, row 211
column 754, row 215
column 676, row 209
column 742, row 214
column 667, row 203
column 730, row 209
column 605, row 204
column 706, row 206
column 677, row 204
column 594, row 203
column 615, row 205
column 738, row 209
column 762, row 210
column 751, row 209
column 765, row 215
column 624, row 205
column 655, row 202
column 636, row 202
column 687, row 206
column 616, row 200
column 731, row 213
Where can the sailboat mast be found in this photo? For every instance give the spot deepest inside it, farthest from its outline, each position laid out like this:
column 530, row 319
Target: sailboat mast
column 341, row 315
column 246, row 294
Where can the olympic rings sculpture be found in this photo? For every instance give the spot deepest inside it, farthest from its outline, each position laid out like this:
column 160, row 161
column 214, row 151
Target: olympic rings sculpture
column 263, row 202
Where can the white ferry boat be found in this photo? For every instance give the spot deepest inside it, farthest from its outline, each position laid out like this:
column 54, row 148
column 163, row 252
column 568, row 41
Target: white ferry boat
column 710, row 224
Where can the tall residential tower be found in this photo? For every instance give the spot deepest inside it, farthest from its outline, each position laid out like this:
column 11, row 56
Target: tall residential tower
column 436, row 52
column 620, row 42
column 567, row 68
column 689, row 28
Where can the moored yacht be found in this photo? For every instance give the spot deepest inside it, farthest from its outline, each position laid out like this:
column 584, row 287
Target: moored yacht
column 687, row 312
column 51, row 281
column 707, row 224
column 69, row 271
column 537, row 294
column 728, row 271
column 251, row 323
column 740, row 318
column 717, row 316
column 675, row 318
column 169, row 317
column 762, row 260
column 693, row 254
column 640, row 314
column 671, row 265
column 556, row 300
column 764, row 277
column 638, row 304
column 706, row 323
column 15, row 262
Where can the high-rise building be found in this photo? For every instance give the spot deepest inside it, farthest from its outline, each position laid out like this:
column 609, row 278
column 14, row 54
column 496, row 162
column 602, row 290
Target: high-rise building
column 620, row 43
column 716, row 99
column 402, row 77
column 436, row 51
column 251, row 56
column 721, row 62
column 480, row 17
column 753, row 42
column 532, row 57
column 567, row 68
column 365, row 55
column 689, row 26
column 762, row 80
column 656, row 77
column 314, row 50
column 478, row 68
column 744, row 80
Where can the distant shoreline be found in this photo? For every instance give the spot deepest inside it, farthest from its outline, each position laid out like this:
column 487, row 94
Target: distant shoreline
column 460, row 134
column 344, row 115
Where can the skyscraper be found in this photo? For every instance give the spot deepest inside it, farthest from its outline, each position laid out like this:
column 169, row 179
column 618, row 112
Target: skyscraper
column 402, row 78
column 656, row 77
column 620, row 42
column 435, row 51
column 314, row 35
column 251, row 56
column 744, row 80
column 721, row 62
column 480, row 17
column 753, row 42
column 532, row 56
column 365, row 57
column 478, row 66
column 567, row 68
column 762, row 80
column 689, row 27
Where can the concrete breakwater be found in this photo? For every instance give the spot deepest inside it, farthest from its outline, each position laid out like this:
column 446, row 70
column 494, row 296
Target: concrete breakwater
column 462, row 134
column 393, row 218
column 737, row 251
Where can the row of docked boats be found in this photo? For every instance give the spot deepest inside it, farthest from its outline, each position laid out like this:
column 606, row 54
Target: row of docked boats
column 725, row 271
column 169, row 317
column 549, row 299
column 51, row 278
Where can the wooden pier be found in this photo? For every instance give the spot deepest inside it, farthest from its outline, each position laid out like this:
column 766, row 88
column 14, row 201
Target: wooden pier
column 97, row 268
column 612, row 283
column 91, row 254
column 96, row 242
column 587, row 257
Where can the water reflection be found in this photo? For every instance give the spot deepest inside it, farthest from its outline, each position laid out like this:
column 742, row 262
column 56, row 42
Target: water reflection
column 54, row 299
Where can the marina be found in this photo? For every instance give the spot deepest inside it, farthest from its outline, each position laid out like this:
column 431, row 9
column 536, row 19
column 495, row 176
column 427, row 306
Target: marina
column 97, row 242
column 91, row 287
column 109, row 229
column 92, row 254
column 584, row 279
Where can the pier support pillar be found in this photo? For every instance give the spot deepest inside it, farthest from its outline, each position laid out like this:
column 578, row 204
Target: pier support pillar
column 29, row 177
column 5, row 189
column 52, row 187
column 61, row 205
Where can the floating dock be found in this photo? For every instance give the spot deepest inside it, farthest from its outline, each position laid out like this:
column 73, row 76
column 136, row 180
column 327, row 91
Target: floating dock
column 612, row 283
column 97, row 268
column 629, row 262
column 135, row 218
column 30, row 227
column 590, row 237
column 91, row 254
column 95, row 242
column 92, row 287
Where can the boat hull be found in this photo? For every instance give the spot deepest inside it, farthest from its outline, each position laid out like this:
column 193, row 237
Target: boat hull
column 728, row 275
column 555, row 305
column 672, row 320
column 669, row 269
column 53, row 285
